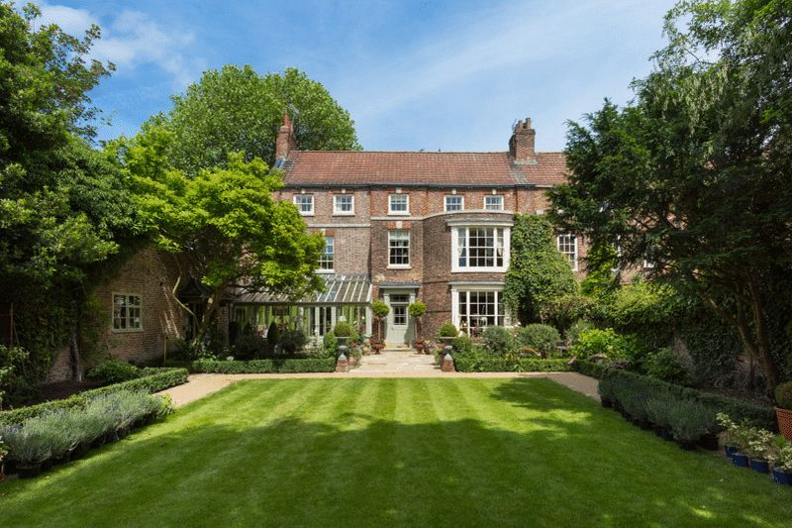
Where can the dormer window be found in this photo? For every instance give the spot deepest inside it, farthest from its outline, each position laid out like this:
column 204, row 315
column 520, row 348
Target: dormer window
column 398, row 204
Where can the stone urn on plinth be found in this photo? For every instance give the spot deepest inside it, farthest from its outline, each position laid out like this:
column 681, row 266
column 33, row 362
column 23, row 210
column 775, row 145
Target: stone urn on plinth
column 447, row 362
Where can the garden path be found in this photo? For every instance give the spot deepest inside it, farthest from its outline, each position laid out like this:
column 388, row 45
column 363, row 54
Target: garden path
column 386, row 365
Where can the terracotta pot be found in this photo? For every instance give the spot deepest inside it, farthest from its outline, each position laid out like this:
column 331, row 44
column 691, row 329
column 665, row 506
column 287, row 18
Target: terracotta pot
column 784, row 417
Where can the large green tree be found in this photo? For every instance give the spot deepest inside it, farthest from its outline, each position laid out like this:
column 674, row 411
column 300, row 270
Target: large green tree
column 238, row 110
column 695, row 174
column 223, row 224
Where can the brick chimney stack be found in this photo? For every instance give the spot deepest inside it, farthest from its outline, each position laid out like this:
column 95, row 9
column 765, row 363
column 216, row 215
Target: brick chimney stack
column 285, row 142
column 522, row 143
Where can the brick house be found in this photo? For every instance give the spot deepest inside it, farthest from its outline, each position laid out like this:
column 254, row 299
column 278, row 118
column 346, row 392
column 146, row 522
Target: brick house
column 408, row 226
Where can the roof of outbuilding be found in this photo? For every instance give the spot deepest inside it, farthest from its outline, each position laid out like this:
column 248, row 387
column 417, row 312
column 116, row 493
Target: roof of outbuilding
column 312, row 167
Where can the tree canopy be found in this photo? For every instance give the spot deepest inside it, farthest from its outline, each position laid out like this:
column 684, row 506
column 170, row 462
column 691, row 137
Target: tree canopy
column 695, row 174
column 224, row 223
column 237, row 110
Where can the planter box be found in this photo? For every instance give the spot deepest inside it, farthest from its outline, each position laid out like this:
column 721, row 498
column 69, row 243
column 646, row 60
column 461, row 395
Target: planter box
column 740, row 460
column 779, row 477
column 760, row 466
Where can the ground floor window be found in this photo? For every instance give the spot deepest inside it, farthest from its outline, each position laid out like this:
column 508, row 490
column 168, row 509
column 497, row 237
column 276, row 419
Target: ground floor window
column 478, row 309
column 314, row 320
column 127, row 314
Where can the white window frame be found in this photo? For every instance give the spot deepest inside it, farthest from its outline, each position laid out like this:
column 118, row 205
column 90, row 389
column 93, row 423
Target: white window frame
column 339, row 212
column 299, row 208
column 461, row 202
column 391, row 211
column 331, row 245
column 456, row 312
column 573, row 255
column 455, row 249
column 391, row 239
column 127, row 318
column 487, row 207
column 648, row 264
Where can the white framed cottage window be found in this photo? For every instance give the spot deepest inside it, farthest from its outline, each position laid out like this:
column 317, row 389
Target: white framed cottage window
column 493, row 202
column 398, row 204
column 476, row 308
column 127, row 312
column 326, row 259
column 480, row 248
column 304, row 203
column 454, row 202
column 399, row 249
column 343, row 204
column 568, row 245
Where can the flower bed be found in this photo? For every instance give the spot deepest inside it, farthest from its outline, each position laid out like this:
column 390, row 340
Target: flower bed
column 739, row 410
column 265, row 366
column 61, row 435
column 490, row 363
column 161, row 380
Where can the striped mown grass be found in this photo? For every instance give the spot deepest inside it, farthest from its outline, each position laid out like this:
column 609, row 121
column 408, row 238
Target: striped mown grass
column 381, row 452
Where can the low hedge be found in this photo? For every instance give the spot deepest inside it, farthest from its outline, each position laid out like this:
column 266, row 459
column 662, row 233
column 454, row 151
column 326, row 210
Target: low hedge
column 265, row 366
column 738, row 410
column 161, row 380
column 492, row 363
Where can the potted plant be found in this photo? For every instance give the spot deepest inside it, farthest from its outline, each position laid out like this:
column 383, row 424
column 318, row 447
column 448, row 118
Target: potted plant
column 781, row 460
column 783, row 396
column 728, row 434
column 342, row 332
column 657, row 411
column 689, row 422
column 380, row 311
column 27, row 447
column 605, row 390
column 417, row 310
column 448, row 332
column 759, row 446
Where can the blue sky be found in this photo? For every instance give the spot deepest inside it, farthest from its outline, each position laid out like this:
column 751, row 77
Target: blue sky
column 450, row 75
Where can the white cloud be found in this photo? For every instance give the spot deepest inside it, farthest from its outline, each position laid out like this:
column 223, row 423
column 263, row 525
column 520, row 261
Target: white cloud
column 131, row 39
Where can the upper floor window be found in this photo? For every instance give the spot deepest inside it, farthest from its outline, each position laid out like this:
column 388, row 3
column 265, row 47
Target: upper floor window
column 326, row 260
column 480, row 248
column 305, row 203
column 398, row 204
column 127, row 316
column 343, row 204
column 493, row 202
column 454, row 202
column 398, row 249
column 567, row 244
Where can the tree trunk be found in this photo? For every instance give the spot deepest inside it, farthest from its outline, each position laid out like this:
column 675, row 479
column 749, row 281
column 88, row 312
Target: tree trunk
column 74, row 354
column 764, row 355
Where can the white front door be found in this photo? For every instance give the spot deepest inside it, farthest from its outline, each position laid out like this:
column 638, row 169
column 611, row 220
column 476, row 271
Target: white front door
column 398, row 333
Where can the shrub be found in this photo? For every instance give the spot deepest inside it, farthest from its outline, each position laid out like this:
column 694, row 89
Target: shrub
column 273, row 334
column 783, row 395
column 567, row 310
column 330, row 343
column 293, row 341
column 163, row 379
column 249, row 346
column 541, row 340
column 266, row 366
column 462, row 344
column 380, row 309
column 448, row 330
column 497, row 340
column 600, row 343
column 665, row 364
column 113, row 371
column 577, row 328
column 342, row 329
column 417, row 309
column 690, row 420
column 484, row 362
column 658, row 411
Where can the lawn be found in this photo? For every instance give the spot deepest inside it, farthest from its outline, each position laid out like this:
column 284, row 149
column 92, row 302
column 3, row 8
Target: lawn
column 383, row 452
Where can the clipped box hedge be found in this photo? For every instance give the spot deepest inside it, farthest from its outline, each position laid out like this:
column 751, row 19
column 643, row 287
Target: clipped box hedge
column 152, row 383
column 265, row 366
column 738, row 410
column 491, row 363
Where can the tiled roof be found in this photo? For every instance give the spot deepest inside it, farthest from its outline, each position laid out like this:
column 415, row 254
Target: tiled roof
column 420, row 168
column 352, row 288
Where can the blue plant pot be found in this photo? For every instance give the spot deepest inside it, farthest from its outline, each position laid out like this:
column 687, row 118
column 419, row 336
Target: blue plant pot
column 779, row 477
column 739, row 460
column 760, row 466
column 730, row 450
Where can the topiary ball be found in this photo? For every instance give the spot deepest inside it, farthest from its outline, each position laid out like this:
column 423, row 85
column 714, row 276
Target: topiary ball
column 783, row 395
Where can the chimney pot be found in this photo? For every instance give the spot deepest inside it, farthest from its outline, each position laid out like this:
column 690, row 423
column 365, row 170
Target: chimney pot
column 522, row 142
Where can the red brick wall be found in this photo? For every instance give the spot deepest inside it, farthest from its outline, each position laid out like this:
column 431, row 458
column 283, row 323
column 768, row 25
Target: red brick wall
column 151, row 275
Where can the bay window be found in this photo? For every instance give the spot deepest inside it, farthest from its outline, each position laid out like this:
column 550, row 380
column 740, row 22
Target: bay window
column 475, row 310
column 480, row 248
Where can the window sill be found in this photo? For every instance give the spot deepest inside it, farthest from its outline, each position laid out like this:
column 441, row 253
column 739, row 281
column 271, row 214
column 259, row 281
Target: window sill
column 343, row 214
column 307, row 214
column 127, row 330
column 479, row 270
column 399, row 213
column 396, row 267
column 325, row 271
